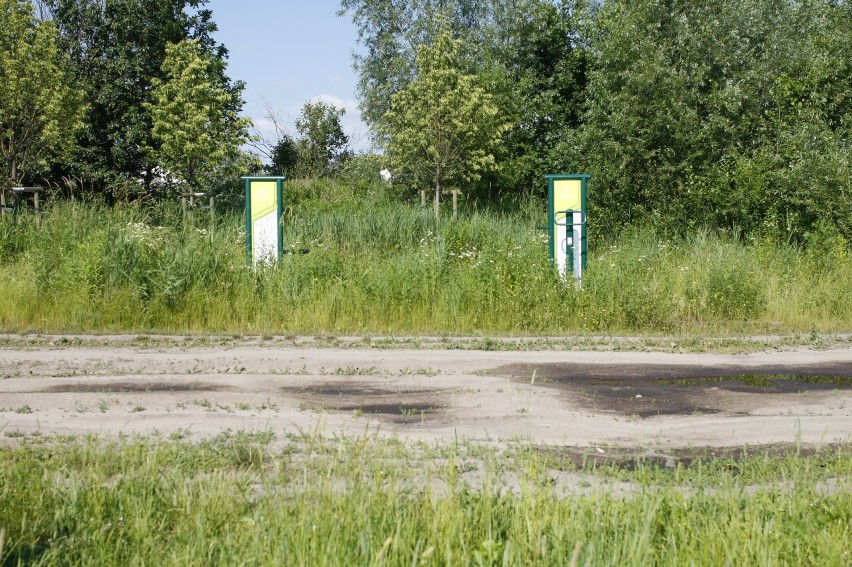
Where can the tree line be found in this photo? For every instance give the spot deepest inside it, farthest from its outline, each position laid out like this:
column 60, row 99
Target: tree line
column 117, row 96
column 688, row 113
column 121, row 97
column 713, row 113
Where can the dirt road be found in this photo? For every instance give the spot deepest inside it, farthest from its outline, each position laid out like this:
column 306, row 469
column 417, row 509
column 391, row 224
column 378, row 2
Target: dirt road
column 549, row 397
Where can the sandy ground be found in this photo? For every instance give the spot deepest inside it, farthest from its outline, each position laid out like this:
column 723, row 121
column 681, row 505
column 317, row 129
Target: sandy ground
column 577, row 399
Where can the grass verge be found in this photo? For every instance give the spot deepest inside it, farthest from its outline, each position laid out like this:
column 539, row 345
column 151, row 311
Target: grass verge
column 381, row 267
column 306, row 500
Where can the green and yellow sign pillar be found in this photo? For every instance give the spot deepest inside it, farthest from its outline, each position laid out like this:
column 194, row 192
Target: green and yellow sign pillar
column 566, row 214
column 264, row 209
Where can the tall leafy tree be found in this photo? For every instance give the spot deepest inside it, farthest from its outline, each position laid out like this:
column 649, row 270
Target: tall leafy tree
column 195, row 120
column 40, row 111
column 536, row 62
column 443, row 126
column 529, row 54
column 323, row 145
column 117, row 49
column 391, row 32
column 721, row 112
column 283, row 156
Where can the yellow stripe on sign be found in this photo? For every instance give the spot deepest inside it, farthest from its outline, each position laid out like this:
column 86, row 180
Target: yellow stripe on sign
column 566, row 196
column 264, row 198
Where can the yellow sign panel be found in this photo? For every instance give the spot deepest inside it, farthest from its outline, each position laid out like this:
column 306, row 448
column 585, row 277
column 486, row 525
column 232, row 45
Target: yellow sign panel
column 567, row 195
column 264, row 198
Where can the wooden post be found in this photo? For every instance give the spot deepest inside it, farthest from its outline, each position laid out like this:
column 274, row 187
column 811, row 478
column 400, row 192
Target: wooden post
column 2, row 201
column 455, row 204
column 423, row 198
column 37, row 209
column 455, row 194
column 212, row 214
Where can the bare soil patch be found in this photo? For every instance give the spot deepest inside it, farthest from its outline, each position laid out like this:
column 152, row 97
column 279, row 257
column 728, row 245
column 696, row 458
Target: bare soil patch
column 650, row 400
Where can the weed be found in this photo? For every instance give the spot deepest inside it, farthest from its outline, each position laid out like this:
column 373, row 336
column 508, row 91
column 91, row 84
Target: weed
column 381, row 267
column 268, row 405
column 371, row 500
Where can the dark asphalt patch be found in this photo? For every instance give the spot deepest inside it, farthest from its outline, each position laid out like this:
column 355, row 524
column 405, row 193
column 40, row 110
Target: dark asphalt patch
column 399, row 406
column 648, row 390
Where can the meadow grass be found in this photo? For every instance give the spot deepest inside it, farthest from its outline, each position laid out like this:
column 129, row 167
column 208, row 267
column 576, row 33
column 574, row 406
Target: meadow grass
column 250, row 499
column 381, row 266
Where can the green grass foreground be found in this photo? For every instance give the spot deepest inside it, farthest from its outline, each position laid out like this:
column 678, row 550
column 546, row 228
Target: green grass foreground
column 243, row 499
column 378, row 266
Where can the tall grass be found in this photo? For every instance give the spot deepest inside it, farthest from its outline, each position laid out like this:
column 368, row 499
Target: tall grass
column 237, row 500
column 381, row 266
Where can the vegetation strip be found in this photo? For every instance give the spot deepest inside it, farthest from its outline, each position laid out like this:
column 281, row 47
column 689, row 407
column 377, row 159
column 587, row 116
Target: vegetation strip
column 305, row 499
column 378, row 268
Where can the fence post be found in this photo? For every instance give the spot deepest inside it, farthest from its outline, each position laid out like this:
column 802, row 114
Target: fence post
column 455, row 204
column 36, row 207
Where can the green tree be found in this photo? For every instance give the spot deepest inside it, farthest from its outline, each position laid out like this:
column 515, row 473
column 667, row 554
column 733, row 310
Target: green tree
column 116, row 49
column 323, row 146
column 536, row 66
column 724, row 113
column 283, row 157
column 40, row 111
column 528, row 54
column 195, row 120
column 391, row 32
column 442, row 127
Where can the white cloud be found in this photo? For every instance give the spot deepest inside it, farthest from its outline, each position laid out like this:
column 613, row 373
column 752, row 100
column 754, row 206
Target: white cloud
column 350, row 106
column 353, row 126
column 265, row 126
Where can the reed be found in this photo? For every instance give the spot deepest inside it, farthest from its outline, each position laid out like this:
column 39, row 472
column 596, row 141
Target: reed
column 378, row 265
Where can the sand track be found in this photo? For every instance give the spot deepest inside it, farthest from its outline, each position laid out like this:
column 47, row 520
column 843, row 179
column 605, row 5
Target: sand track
column 576, row 399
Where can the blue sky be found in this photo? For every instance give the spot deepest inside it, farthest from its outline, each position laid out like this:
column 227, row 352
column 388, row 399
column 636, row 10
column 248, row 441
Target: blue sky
column 288, row 52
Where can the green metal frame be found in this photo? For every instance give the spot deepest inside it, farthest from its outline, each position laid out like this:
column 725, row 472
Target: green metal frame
column 551, row 215
column 280, row 213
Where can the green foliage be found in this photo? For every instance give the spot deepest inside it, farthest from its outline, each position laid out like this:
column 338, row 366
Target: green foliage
column 442, row 126
column 284, row 157
column 310, row 500
column 323, row 147
column 727, row 113
column 826, row 247
column 527, row 54
column 196, row 118
column 734, row 292
column 537, row 66
column 732, row 114
column 380, row 266
column 392, row 32
column 40, row 110
column 117, row 49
